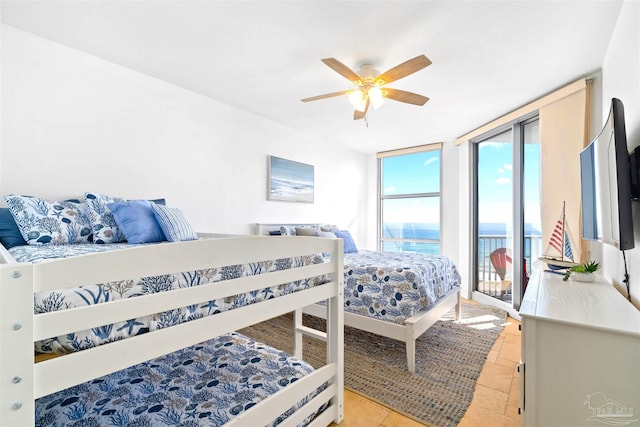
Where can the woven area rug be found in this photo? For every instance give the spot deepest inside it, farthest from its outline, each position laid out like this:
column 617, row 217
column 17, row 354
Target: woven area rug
column 449, row 358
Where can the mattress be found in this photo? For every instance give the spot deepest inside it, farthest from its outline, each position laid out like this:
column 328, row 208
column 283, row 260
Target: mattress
column 203, row 385
column 134, row 287
column 393, row 286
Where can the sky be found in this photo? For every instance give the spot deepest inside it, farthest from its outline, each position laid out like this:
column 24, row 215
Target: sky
column 420, row 173
column 495, row 181
column 412, row 173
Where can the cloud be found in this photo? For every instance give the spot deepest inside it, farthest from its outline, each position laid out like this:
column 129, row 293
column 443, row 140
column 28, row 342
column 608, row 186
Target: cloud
column 389, row 189
column 505, row 167
column 503, row 180
column 431, row 160
column 492, row 144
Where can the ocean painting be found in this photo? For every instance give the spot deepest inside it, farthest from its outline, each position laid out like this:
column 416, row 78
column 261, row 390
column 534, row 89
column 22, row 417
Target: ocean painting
column 290, row 181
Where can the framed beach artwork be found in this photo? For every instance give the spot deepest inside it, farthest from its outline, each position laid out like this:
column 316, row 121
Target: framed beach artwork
column 290, row 181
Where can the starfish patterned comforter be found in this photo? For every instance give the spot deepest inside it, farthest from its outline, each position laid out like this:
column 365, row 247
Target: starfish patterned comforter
column 204, row 385
column 130, row 288
column 394, row 286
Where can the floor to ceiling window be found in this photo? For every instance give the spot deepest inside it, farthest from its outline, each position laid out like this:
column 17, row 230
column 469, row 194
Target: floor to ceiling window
column 506, row 229
column 409, row 200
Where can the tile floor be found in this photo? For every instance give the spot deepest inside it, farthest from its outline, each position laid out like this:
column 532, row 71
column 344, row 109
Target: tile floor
column 495, row 401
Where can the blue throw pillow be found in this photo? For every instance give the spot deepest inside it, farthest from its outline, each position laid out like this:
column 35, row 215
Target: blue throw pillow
column 137, row 221
column 349, row 244
column 9, row 232
column 105, row 229
column 173, row 223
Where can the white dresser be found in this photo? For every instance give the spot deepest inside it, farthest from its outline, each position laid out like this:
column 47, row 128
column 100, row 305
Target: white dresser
column 580, row 355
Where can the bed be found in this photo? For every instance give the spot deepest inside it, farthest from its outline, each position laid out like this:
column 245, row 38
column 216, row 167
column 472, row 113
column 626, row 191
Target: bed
column 396, row 295
column 197, row 371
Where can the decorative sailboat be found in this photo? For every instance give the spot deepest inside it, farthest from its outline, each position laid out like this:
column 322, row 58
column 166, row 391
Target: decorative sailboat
column 559, row 253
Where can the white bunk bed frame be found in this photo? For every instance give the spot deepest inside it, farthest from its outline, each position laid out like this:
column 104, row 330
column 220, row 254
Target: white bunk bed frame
column 22, row 380
column 412, row 328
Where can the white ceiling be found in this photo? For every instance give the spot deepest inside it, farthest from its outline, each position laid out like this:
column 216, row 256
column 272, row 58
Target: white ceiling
column 489, row 57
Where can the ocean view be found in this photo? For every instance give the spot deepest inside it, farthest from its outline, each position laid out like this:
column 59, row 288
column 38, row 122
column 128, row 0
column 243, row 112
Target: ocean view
column 432, row 231
column 492, row 235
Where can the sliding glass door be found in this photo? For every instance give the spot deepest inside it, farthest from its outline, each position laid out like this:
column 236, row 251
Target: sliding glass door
column 506, row 221
column 494, row 218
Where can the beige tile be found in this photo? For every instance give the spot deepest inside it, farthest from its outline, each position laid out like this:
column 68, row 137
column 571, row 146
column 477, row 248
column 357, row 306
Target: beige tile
column 361, row 412
column 481, row 417
column 496, row 377
column 492, row 356
column 512, row 347
column 500, row 360
column 489, row 398
column 512, row 412
column 498, row 344
column 395, row 419
column 509, row 354
column 514, row 393
column 512, row 339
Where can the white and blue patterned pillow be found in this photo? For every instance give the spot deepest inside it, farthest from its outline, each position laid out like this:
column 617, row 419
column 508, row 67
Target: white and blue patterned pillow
column 287, row 231
column 307, row 231
column 103, row 224
column 42, row 221
column 326, row 234
column 173, row 223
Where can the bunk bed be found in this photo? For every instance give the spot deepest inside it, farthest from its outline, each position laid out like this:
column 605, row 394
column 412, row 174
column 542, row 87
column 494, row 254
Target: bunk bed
column 169, row 375
column 395, row 295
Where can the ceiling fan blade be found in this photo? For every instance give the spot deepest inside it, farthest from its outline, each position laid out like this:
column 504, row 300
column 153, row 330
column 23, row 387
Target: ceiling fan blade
column 404, row 69
column 404, row 96
column 341, row 69
column 357, row 115
column 326, row 95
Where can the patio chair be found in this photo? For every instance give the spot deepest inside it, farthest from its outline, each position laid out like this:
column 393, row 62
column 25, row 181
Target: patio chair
column 499, row 259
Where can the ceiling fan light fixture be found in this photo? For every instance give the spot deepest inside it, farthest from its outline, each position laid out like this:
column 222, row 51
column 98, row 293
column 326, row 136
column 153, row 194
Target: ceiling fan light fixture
column 376, row 97
column 358, row 100
column 361, row 106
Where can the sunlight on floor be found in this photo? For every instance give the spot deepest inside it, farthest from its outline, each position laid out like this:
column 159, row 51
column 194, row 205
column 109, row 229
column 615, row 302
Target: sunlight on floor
column 480, row 322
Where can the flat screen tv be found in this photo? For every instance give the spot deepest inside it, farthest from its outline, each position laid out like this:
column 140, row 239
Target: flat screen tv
column 605, row 178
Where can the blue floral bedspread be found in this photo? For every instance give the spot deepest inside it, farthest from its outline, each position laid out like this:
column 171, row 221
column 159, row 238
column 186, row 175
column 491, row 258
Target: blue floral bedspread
column 204, row 385
column 393, row 286
column 106, row 292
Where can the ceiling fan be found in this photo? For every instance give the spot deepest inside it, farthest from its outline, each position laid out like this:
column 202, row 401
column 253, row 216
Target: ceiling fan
column 370, row 85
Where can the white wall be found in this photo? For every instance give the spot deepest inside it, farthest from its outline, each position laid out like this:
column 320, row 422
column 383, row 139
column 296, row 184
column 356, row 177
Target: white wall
column 73, row 123
column 453, row 239
column 621, row 79
column 464, row 218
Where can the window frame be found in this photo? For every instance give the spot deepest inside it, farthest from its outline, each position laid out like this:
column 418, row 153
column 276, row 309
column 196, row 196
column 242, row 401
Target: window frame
column 381, row 197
